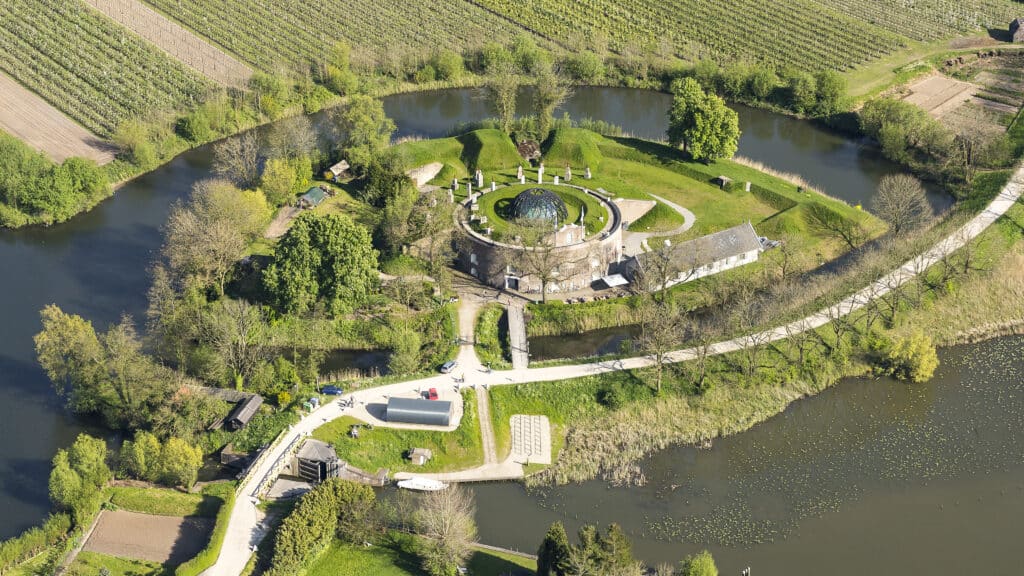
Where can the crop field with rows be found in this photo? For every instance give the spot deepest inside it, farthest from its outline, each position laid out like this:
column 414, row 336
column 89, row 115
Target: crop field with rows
column 293, row 33
column 87, row 66
column 931, row 19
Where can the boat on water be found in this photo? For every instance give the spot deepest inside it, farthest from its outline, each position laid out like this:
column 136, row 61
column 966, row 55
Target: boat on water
column 422, row 484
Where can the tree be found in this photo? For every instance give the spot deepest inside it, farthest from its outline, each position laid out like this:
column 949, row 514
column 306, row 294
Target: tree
column 405, row 351
column 70, row 353
column 78, row 475
column 448, row 65
column 363, row 130
column 291, row 138
column 550, row 91
column 445, row 521
column 701, row 564
column 913, row 358
column 326, row 258
column 534, row 253
column 553, row 555
column 237, row 159
column 237, row 331
column 660, row 333
column 831, row 88
column 65, row 483
column 803, row 91
column 278, row 181
column 180, row 463
column 901, row 202
column 500, row 89
column 762, row 82
column 140, row 458
column 701, row 122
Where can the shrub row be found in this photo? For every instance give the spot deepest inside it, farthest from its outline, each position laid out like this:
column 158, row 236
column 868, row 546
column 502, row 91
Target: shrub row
column 209, row 555
column 33, row 541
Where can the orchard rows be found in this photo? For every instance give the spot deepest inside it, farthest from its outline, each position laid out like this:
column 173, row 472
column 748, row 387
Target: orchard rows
column 88, row 67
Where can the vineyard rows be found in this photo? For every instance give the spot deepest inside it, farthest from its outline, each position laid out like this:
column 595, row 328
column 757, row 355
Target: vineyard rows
column 931, row 19
column 801, row 33
column 293, row 33
column 87, row 66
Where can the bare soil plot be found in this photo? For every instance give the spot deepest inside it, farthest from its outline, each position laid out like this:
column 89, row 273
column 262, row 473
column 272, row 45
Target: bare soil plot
column 938, row 94
column 34, row 121
column 180, row 43
column 163, row 539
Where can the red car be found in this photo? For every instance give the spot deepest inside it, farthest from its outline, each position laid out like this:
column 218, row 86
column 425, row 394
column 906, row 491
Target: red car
column 432, row 394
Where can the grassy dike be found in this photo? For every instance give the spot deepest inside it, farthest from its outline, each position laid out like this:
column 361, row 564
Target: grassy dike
column 599, row 440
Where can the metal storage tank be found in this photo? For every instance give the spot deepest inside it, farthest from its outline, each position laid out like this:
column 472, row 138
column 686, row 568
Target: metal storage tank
column 418, row 411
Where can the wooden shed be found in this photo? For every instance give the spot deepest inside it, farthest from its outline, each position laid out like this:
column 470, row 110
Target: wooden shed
column 312, row 198
column 243, row 412
column 338, row 171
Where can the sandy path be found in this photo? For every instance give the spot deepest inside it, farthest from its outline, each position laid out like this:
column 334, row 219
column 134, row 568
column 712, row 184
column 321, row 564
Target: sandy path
column 177, row 41
column 32, row 120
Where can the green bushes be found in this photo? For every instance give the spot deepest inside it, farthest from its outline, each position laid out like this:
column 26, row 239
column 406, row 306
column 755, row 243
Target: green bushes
column 35, row 190
column 913, row 358
column 336, row 507
column 492, row 347
column 33, row 541
column 209, row 555
column 172, row 463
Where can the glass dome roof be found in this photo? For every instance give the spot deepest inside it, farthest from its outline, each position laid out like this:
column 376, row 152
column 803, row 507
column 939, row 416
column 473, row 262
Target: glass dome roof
column 539, row 204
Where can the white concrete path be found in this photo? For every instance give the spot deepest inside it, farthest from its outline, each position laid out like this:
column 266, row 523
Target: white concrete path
column 636, row 242
column 244, row 526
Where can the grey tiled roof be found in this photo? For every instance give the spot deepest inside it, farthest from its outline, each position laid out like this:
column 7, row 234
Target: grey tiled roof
column 317, row 451
column 713, row 247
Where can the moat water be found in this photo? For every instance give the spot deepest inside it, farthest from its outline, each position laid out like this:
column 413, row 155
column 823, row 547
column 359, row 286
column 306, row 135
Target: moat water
column 869, row 477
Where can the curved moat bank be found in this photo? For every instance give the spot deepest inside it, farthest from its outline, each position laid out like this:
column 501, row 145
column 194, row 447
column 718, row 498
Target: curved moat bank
column 96, row 265
column 870, row 476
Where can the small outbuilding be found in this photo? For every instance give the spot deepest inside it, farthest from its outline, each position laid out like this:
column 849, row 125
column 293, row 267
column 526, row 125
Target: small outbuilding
column 243, row 412
column 338, row 171
column 419, row 411
column 420, row 456
column 1017, row 30
column 312, row 198
column 317, row 461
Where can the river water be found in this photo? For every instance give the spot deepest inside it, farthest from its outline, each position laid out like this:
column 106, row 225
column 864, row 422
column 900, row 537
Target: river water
column 96, row 265
column 869, row 477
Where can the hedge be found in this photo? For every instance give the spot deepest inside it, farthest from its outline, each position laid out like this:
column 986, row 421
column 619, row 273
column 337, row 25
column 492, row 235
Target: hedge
column 33, row 541
column 209, row 555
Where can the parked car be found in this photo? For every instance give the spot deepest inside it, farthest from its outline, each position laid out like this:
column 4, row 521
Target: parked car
column 332, row 390
column 432, row 394
column 448, row 366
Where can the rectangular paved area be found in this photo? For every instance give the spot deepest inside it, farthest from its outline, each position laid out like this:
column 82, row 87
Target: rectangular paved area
column 531, row 439
column 29, row 118
column 164, row 539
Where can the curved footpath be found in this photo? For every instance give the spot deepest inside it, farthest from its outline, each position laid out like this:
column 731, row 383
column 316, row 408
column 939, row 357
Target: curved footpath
column 244, row 528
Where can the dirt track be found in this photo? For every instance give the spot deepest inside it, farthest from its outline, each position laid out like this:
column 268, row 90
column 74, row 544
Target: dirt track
column 164, row 539
column 32, row 120
column 180, row 43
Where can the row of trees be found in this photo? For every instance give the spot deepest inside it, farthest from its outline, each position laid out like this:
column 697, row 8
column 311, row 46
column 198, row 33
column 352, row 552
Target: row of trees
column 607, row 554
column 174, row 462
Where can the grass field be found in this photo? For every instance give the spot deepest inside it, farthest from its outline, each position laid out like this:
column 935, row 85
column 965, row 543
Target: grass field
column 91, row 563
column 168, row 502
column 386, row 447
column 396, row 556
column 497, row 207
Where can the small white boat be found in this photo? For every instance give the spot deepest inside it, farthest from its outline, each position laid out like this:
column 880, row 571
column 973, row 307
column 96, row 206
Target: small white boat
column 422, row 484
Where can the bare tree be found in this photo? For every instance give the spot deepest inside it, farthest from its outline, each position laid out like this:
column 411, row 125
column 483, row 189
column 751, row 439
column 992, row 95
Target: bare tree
column 201, row 248
column 237, row 159
column 656, row 268
column 902, row 203
column 445, row 520
column 291, row 138
column 661, row 332
column 534, row 253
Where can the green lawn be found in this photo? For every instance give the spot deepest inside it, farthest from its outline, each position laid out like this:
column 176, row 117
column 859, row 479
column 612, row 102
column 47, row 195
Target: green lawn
column 90, row 564
column 165, row 501
column 386, row 447
column 396, row 556
column 497, row 207
column 661, row 218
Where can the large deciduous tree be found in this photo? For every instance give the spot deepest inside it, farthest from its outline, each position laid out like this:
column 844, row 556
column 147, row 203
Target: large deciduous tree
column 550, row 91
column 363, row 130
column 702, row 123
column 326, row 258
column 500, row 89
column 238, row 159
